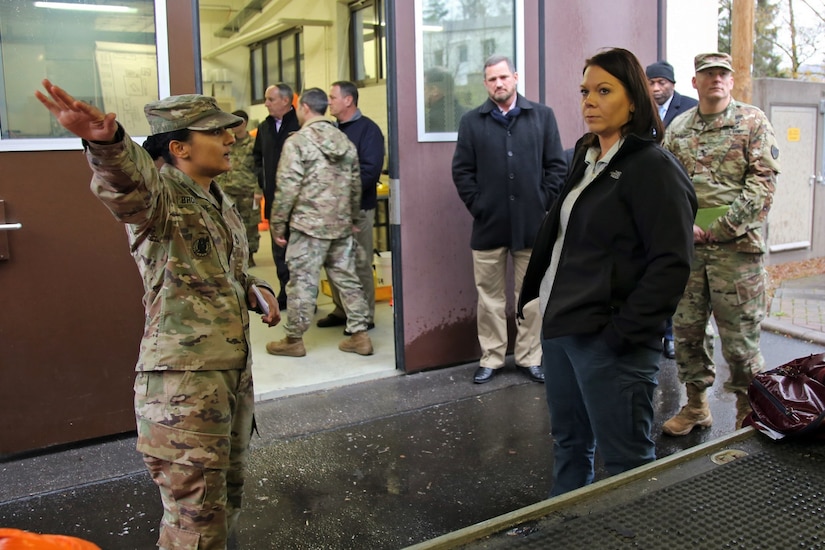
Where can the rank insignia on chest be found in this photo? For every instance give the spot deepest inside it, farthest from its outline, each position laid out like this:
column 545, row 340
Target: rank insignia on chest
column 616, row 174
column 201, row 247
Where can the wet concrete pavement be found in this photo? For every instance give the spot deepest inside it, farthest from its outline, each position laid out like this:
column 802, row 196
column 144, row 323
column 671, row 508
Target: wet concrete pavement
column 378, row 465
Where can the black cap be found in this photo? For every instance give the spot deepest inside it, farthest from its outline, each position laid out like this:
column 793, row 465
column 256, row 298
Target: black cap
column 660, row 69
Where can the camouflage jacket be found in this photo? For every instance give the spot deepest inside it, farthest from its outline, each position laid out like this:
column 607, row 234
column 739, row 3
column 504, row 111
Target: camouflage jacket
column 318, row 189
column 733, row 160
column 241, row 181
column 190, row 248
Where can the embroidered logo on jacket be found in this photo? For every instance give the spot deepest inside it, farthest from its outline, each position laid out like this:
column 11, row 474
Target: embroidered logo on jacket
column 201, row 247
column 616, row 174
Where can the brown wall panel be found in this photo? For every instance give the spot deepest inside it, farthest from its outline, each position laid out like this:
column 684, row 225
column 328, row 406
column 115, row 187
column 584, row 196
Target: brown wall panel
column 70, row 312
column 70, row 296
column 181, row 47
column 578, row 30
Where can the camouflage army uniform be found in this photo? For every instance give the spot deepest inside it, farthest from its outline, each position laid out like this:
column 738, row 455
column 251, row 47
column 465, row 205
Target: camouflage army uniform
column 732, row 160
column 241, row 184
column 319, row 195
column 193, row 391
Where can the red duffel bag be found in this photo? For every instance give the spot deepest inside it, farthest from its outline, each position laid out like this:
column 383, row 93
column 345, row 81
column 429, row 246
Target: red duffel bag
column 790, row 400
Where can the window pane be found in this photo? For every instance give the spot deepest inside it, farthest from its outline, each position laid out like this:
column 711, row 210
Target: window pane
column 289, row 66
column 106, row 59
column 359, row 64
column 457, row 38
column 257, row 72
column 281, row 60
column 368, row 43
column 381, row 50
column 273, row 62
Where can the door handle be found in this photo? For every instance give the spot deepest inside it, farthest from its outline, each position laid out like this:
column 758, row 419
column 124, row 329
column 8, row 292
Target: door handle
column 4, row 227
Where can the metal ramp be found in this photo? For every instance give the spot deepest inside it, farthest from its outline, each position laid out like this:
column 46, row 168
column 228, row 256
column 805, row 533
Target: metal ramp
column 742, row 491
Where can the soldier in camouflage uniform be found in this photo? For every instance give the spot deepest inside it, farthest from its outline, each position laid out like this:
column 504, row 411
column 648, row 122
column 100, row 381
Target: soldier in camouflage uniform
column 318, row 193
column 730, row 152
column 241, row 183
column 193, row 389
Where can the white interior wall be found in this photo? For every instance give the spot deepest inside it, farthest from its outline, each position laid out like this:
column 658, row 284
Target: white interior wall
column 226, row 76
column 319, row 57
column 326, row 52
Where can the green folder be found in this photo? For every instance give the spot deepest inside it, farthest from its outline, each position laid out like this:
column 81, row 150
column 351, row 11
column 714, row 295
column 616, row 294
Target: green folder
column 706, row 216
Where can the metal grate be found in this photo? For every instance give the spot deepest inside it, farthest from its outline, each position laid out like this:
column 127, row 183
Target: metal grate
column 774, row 499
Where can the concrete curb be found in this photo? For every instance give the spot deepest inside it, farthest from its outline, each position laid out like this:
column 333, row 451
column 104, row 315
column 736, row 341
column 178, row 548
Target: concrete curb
column 784, row 327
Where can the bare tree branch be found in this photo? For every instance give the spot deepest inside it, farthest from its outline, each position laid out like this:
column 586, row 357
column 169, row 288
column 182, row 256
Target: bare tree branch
column 818, row 12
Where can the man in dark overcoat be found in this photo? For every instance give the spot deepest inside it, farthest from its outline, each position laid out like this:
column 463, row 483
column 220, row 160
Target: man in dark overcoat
column 508, row 168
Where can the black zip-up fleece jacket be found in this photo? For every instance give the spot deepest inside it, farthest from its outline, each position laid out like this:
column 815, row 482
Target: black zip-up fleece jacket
column 627, row 250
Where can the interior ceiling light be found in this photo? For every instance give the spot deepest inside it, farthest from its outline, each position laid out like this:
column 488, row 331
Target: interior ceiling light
column 85, row 7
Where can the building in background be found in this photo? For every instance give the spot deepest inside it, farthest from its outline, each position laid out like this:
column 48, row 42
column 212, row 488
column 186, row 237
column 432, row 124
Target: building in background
column 70, row 329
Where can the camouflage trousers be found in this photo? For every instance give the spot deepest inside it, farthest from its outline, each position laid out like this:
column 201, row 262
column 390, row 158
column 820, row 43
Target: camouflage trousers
column 251, row 217
column 193, row 430
column 305, row 256
column 363, row 264
column 730, row 285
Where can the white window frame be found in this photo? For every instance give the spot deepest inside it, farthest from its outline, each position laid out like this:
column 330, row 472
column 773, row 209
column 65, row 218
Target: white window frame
column 423, row 135
column 74, row 143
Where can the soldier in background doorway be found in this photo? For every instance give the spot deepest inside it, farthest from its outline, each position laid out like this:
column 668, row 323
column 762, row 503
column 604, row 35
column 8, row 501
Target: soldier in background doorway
column 241, row 183
column 319, row 199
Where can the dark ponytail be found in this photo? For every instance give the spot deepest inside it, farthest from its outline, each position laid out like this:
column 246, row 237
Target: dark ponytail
column 158, row 145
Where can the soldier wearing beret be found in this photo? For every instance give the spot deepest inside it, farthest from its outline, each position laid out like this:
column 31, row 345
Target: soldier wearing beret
column 193, row 390
column 730, row 152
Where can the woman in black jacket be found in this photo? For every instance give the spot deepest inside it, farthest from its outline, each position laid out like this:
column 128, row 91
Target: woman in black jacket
column 609, row 265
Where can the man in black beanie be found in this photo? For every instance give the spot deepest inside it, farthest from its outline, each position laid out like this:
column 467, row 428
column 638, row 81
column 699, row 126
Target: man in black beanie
column 661, row 80
column 671, row 104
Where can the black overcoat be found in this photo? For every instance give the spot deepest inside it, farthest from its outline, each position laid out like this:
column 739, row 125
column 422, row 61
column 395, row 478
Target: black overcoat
column 508, row 177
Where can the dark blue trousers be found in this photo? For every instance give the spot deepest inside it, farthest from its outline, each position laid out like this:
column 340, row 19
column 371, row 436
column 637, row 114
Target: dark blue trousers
column 598, row 398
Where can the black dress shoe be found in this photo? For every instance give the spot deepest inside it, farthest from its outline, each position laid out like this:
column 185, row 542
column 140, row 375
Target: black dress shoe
column 483, row 375
column 370, row 326
column 536, row 374
column 668, row 349
column 331, row 321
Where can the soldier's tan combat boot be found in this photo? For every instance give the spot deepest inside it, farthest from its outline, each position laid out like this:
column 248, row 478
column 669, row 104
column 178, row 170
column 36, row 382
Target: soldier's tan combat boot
column 743, row 408
column 695, row 413
column 358, row 343
column 291, row 347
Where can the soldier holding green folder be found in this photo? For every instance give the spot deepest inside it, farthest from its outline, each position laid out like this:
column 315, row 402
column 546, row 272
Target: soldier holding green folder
column 729, row 151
